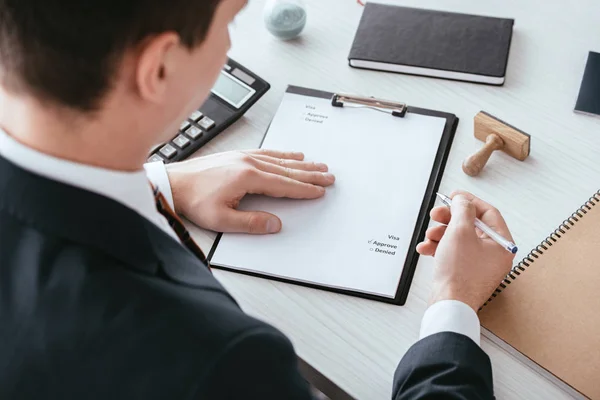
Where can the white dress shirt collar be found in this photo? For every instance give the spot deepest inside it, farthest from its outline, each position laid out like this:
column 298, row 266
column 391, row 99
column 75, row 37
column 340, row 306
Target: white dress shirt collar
column 131, row 189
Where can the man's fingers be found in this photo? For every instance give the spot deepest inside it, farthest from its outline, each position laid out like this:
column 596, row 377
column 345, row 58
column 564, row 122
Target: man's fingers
column 432, row 239
column 441, row 214
column 254, row 222
column 481, row 206
column 314, row 177
column 280, row 186
column 463, row 213
column 427, row 248
column 436, row 233
column 294, row 164
column 288, row 155
column 487, row 214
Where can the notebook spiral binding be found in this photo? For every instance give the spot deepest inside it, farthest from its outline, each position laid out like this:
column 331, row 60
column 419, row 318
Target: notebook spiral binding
column 545, row 244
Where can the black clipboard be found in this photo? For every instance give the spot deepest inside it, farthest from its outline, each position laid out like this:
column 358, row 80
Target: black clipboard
column 435, row 178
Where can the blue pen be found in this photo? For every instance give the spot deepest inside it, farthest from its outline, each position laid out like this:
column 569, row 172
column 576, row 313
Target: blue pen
column 507, row 244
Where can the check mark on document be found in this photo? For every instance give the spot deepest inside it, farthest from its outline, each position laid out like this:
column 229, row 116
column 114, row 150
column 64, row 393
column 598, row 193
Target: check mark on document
column 385, row 247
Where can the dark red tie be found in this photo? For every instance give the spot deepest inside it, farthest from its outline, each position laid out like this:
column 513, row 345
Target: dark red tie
column 176, row 224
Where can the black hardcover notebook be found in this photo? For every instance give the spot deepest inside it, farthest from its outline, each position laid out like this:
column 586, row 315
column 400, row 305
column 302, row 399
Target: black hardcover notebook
column 360, row 238
column 432, row 43
column 588, row 101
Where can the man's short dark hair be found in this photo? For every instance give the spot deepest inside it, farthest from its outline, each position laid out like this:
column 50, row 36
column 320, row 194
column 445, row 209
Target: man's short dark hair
column 68, row 51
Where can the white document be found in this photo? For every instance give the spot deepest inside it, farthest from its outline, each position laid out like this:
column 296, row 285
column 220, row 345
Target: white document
column 357, row 236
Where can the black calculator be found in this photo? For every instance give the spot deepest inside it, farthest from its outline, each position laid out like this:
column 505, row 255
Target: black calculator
column 236, row 90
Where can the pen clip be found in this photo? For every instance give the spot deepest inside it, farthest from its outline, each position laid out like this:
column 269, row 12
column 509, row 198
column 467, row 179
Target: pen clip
column 391, row 107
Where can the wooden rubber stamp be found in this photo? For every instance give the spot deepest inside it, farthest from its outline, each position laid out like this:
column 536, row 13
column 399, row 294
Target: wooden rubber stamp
column 497, row 135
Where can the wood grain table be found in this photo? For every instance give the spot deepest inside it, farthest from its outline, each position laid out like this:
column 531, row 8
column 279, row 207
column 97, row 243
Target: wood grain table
column 356, row 343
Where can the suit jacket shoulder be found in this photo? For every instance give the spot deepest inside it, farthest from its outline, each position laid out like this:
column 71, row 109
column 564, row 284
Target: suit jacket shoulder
column 98, row 302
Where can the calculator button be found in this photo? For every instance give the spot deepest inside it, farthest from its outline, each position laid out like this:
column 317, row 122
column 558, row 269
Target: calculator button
column 193, row 132
column 168, row 151
column 206, row 123
column 155, row 158
column 196, row 115
column 184, row 125
column 181, row 141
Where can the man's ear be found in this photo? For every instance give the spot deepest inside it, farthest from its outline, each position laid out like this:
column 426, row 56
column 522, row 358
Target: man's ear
column 155, row 64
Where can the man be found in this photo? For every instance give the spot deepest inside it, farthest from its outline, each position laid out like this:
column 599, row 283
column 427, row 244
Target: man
column 103, row 295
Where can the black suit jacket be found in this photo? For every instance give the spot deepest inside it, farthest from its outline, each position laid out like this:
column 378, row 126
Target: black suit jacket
column 96, row 302
column 444, row 366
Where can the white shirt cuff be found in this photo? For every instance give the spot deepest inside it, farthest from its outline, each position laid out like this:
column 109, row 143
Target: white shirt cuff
column 451, row 316
column 157, row 173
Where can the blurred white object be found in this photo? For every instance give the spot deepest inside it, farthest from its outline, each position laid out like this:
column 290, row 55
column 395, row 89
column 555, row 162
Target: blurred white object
column 285, row 19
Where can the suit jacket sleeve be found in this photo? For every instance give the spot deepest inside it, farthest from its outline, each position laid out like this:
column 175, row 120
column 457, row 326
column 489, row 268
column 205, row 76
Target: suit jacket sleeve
column 260, row 364
column 444, row 366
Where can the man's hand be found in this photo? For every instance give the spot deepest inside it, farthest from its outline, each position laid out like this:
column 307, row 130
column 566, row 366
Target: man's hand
column 207, row 190
column 468, row 264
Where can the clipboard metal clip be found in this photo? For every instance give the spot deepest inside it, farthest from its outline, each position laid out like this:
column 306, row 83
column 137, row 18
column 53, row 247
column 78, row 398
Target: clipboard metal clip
column 387, row 106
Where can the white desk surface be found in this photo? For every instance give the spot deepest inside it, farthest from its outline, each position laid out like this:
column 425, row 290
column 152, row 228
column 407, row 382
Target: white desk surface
column 358, row 343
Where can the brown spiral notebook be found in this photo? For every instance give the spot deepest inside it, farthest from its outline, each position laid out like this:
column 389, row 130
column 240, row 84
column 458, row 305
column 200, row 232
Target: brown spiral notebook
column 548, row 307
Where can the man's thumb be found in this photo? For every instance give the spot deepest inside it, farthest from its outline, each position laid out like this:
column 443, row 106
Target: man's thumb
column 463, row 212
column 255, row 222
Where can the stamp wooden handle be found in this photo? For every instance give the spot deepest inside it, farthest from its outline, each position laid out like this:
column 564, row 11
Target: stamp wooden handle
column 473, row 165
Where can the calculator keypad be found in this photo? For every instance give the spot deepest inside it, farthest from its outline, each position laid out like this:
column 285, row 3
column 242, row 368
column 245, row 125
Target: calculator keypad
column 210, row 119
column 190, row 130
column 181, row 141
column 168, row 151
column 155, row 158
column 206, row 123
column 184, row 125
column 193, row 132
column 196, row 116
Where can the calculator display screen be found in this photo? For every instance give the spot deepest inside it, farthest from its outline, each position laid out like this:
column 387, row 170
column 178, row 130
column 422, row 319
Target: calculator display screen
column 232, row 90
